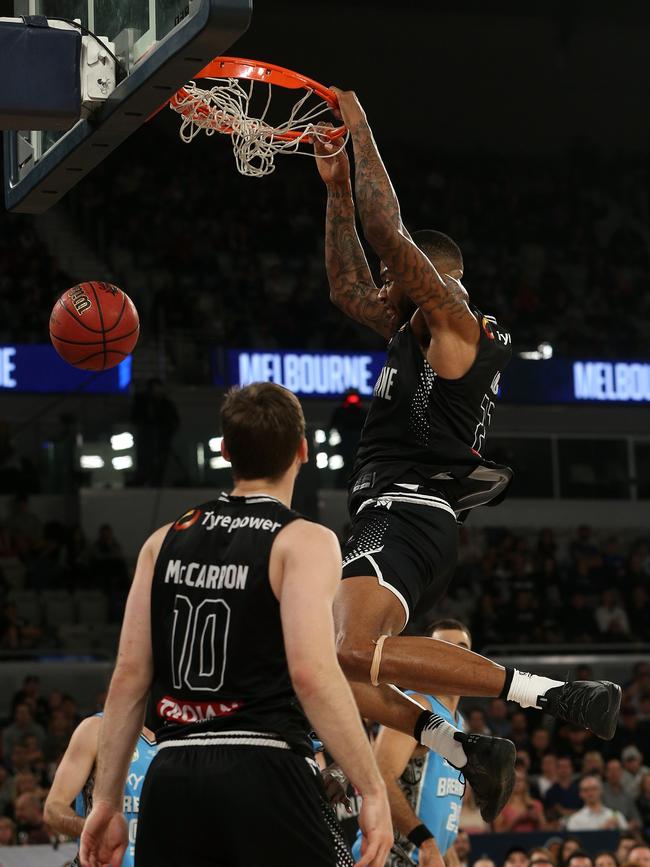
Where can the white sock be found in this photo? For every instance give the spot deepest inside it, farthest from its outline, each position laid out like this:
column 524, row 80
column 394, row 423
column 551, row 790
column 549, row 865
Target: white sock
column 438, row 735
column 526, row 688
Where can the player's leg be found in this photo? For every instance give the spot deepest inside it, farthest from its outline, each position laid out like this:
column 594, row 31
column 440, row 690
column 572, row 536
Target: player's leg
column 410, row 541
column 363, row 607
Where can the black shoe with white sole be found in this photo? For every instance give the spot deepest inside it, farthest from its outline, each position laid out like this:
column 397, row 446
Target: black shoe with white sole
column 591, row 704
column 490, row 771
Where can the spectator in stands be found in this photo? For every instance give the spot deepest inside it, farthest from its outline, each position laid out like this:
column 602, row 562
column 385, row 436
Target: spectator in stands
column 30, row 825
column 605, row 859
column 7, row 831
column 563, row 798
column 548, row 775
column 18, row 763
column 70, row 712
column 497, row 718
column 519, row 730
column 484, row 862
column 627, row 733
column 594, row 816
column 611, row 617
column 516, row 856
column 15, row 632
column 593, row 763
column 462, row 848
column 643, row 803
column 57, row 737
column 579, row 859
column 542, row 857
column 540, row 744
column 23, row 526
column 23, row 724
column 568, row 847
column 615, row 795
column 553, row 845
column 576, row 744
column 633, row 769
column 522, row 812
column 30, row 694
column 626, row 841
column 25, row 783
column 638, row 612
column 476, row 723
column 6, row 789
column 640, row 855
column 579, row 623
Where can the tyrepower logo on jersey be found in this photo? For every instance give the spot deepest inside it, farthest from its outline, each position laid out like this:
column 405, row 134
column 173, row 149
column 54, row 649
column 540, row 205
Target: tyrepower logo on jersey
column 182, row 711
column 187, row 520
column 211, row 520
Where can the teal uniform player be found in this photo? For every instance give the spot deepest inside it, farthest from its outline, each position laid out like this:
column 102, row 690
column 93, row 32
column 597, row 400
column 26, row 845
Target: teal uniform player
column 144, row 752
column 434, row 790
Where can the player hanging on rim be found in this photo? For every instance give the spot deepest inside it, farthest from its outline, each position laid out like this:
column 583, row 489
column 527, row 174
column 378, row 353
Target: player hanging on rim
column 229, row 626
column 418, row 467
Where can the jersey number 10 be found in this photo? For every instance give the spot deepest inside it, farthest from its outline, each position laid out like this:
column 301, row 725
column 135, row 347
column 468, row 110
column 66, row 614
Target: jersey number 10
column 199, row 644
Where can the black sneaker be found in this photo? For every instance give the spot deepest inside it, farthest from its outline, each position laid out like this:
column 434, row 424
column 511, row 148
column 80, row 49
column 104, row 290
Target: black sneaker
column 591, row 704
column 490, row 771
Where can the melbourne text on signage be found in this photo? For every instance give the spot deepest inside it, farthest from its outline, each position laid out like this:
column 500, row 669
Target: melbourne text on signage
column 611, row 381
column 308, row 373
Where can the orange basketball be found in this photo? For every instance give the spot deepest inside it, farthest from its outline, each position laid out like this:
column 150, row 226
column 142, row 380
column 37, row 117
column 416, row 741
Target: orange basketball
column 94, row 326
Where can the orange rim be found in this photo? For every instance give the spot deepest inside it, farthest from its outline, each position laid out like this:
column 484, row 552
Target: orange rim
column 239, row 67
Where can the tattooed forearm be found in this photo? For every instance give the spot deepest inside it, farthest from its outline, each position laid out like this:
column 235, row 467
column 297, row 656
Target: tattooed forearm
column 376, row 197
column 440, row 296
column 352, row 287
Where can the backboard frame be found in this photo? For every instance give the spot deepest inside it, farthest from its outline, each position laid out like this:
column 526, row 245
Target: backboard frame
column 201, row 36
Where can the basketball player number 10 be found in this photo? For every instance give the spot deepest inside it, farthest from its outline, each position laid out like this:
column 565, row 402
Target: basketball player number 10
column 199, row 640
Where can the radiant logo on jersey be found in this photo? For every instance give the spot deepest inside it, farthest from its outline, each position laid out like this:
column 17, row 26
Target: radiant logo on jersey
column 187, row 520
column 494, row 388
column 194, row 711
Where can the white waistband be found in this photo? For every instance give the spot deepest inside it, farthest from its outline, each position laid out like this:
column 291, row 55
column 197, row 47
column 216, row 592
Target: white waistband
column 415, row 499
column 227, row 738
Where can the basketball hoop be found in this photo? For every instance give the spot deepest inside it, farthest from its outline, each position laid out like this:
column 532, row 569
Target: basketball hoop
column 230, row 108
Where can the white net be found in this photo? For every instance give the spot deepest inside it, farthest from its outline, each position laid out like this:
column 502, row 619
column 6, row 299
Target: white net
column 226, row 108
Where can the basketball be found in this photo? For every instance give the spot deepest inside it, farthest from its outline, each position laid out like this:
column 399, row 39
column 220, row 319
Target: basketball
column 94, row 325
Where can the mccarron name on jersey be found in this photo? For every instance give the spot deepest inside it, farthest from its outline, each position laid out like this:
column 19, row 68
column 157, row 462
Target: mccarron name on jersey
column 228, row 576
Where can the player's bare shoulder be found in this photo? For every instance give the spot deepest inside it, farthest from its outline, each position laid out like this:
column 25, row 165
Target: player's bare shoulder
column 154, row 543
column 306, row 537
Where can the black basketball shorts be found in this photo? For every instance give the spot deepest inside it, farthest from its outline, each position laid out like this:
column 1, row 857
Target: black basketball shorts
column 209, row 804
column 409, row 541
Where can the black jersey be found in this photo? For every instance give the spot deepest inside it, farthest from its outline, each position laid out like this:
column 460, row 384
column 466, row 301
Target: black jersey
column 419, row 423
column 218, row 647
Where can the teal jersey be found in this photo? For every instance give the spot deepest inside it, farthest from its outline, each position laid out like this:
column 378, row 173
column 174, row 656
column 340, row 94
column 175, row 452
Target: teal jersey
column 434, row 790
column 143, row 754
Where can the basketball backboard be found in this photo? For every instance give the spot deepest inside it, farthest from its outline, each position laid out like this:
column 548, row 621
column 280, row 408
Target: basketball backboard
column 160, row 44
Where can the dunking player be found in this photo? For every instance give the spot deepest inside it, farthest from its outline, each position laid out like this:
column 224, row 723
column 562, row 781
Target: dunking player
column 75, row 780
column 229, row 623
column 418, row 466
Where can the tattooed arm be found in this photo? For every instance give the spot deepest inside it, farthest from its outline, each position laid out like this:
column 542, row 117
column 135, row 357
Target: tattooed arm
column 352, row 287
column 440, row 297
